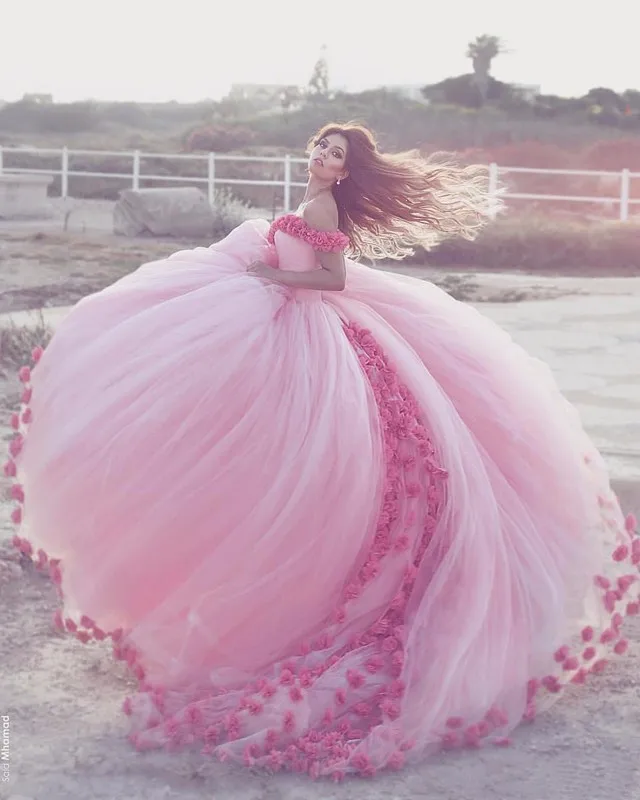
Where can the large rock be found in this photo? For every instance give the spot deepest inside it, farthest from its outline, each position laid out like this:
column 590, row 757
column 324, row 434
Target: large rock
column 180, row 212
column 24, row 196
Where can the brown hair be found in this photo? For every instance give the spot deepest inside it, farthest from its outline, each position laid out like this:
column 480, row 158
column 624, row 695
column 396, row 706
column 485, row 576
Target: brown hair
column 391, row 203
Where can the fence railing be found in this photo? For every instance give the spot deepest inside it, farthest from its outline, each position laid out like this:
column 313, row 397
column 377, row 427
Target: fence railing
column 623, row 198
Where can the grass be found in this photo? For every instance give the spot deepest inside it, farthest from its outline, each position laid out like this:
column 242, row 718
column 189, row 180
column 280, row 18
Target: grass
column 229, row 211
column 17, row 342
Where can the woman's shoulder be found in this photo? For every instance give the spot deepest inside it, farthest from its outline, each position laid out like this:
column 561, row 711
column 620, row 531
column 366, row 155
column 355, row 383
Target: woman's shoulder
column 321, row 213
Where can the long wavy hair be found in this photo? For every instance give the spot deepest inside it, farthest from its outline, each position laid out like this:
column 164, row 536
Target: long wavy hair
column 391, row 203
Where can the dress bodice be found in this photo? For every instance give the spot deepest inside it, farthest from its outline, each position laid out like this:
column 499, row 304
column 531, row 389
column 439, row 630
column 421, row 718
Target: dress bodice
column 297, row 243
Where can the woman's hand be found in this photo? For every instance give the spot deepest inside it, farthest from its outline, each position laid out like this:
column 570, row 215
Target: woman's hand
column 260, row 270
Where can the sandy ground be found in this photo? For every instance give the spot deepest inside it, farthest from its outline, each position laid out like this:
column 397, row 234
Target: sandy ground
column 63, row 699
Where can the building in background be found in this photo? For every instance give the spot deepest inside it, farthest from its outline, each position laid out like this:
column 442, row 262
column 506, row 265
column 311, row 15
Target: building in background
column 266, row 93
column 37, row 98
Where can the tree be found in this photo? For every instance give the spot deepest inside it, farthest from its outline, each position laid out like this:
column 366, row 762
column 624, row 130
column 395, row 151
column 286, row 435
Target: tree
column 319, row 82
column 606, row 98
column 463, row 91
column 482, row 51
column 632, row 99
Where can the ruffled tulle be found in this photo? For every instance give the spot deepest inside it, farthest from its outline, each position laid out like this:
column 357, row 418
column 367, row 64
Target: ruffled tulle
column 328, row 533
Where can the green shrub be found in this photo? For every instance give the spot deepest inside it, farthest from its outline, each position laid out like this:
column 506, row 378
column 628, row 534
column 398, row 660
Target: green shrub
column 17, row 342
column 218, row 138
column 462, row 90
column 25, row 116
column 229, row 212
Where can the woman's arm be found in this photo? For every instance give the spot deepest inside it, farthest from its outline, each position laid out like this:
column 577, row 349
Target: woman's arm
column 331, row 277
column 321, row 215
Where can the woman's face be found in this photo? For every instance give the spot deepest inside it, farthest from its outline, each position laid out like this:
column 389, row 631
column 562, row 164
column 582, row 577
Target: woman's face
column 328, row 158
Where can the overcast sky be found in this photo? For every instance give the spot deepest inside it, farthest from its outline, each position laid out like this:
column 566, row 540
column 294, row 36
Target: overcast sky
column 190, row 50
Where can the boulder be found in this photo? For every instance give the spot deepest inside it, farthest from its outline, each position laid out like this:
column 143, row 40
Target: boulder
column 24, row 196
column 183, row 212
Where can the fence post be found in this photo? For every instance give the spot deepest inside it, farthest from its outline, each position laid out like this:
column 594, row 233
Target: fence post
column 287, row 183
column 625, row 180
column 211, row 179
column 493, row 188
column 135, row 185
column 64, row 178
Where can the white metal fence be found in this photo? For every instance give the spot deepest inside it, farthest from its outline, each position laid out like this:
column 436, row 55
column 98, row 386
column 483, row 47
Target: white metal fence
column 616, row 186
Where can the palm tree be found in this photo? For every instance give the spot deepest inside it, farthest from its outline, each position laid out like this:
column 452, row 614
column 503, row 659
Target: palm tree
column 482, row 51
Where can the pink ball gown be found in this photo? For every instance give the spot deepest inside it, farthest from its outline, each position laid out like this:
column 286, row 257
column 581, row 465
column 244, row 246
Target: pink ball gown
column 327, row 532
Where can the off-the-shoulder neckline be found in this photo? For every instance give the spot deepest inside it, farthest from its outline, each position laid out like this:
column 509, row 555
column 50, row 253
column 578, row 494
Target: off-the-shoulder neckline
column 296, row 226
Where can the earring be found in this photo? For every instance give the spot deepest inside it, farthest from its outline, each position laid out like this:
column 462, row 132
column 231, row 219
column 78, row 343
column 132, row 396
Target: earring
column 338, row 181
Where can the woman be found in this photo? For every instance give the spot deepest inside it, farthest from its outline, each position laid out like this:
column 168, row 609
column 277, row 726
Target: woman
column 332, row 519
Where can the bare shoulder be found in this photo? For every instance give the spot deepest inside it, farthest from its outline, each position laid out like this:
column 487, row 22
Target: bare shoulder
column 322, row 213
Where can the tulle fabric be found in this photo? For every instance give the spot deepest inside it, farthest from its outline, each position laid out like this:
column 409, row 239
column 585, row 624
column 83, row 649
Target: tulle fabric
column 327, row 532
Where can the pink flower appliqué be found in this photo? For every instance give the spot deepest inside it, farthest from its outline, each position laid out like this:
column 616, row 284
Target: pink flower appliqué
column 325, row 241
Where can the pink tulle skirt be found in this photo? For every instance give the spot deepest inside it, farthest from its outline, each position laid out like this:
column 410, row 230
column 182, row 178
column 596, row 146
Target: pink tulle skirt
column 327, row 533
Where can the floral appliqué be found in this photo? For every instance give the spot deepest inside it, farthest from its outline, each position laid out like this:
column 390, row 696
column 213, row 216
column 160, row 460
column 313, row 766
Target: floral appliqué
column 325, row 241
